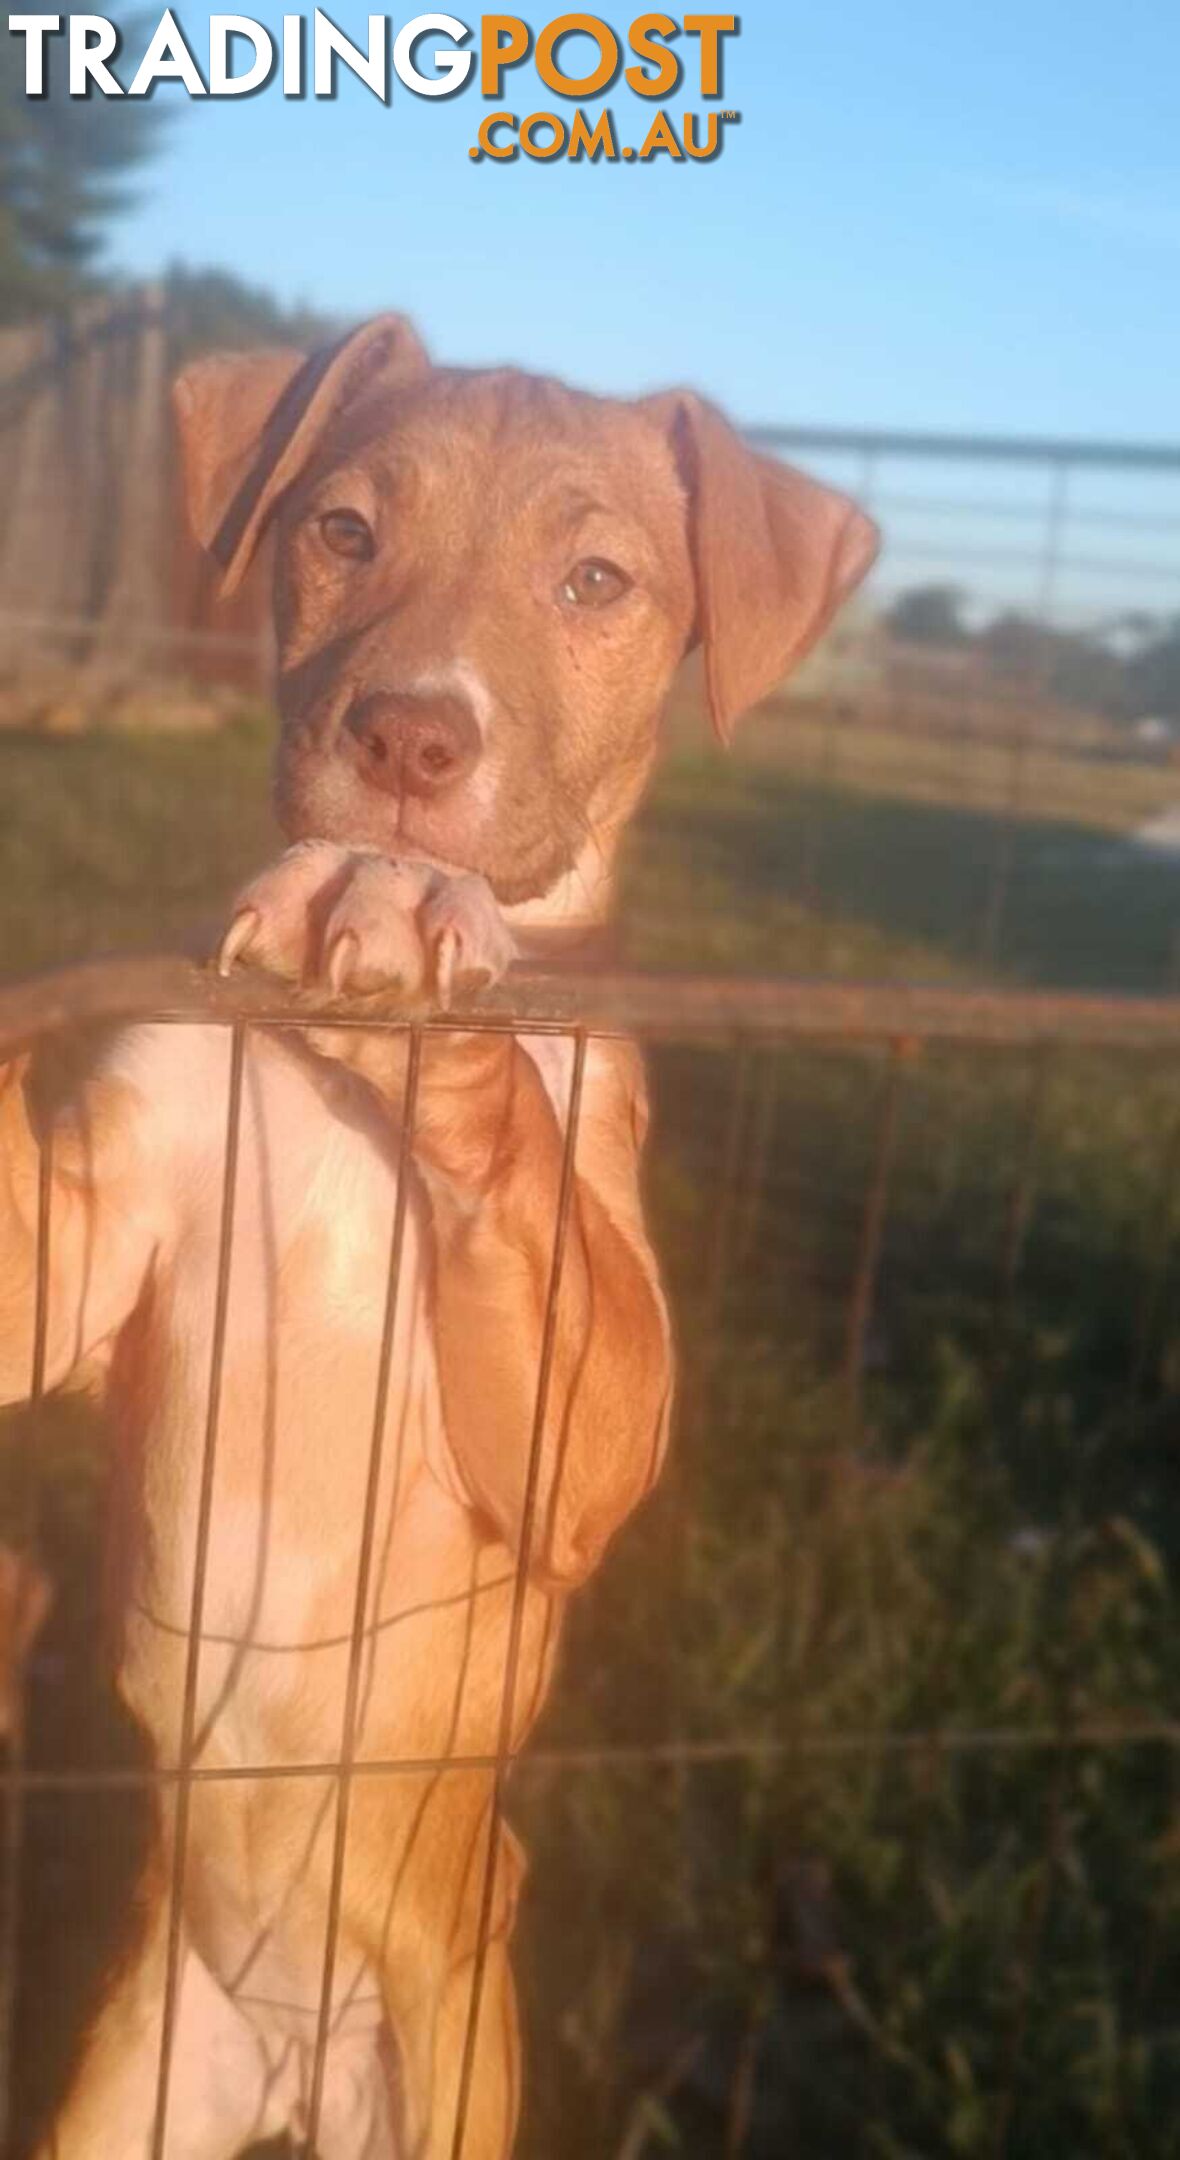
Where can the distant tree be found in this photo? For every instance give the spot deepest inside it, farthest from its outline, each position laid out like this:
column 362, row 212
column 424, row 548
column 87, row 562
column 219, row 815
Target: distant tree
column 1013, row 644
column 210, row 310
column 928, row 615
column 1128, row 669
column 1153, row 675
column 1087, row 673
column 65, row 165
column 1068, row 666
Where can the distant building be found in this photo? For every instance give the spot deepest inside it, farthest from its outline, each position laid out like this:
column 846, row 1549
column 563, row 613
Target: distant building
column 1154, row 732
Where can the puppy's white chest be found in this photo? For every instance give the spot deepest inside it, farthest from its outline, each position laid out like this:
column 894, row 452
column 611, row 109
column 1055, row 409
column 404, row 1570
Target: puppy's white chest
column 296, row 1413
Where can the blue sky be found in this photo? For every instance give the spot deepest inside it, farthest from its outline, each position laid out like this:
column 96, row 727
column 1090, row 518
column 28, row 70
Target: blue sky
column 931, row 216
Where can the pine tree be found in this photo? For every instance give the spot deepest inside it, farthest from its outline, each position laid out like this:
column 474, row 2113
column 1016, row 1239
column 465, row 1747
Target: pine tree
column 65, row 165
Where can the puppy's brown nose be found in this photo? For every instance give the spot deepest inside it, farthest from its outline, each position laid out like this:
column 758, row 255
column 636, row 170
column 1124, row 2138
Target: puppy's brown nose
column 414, row 745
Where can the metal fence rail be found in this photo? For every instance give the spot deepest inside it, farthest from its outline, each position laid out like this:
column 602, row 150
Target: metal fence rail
column 1056, row 463
column 657, row 1008
column 745, row 1016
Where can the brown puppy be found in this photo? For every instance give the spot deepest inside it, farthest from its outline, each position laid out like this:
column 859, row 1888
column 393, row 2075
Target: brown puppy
column 484, row 585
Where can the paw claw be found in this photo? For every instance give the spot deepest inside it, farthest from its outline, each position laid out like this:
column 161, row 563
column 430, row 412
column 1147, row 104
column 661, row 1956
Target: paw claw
column 390, row 926
column 341, row 959
column 238, row 939
column 446, row 954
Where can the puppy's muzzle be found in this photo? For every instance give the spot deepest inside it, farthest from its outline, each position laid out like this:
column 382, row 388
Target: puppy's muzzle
column 409, row 745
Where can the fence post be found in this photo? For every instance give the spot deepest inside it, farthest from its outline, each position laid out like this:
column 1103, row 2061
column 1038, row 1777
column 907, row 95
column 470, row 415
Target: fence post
column 137, row 595
column 1003, row 861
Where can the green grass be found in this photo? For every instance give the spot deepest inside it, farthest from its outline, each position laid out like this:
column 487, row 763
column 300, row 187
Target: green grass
column 742, row 865
column 115, row 843
column 1087, row 780
column 854, row 1945
column 759, row 862
column 954, row 1951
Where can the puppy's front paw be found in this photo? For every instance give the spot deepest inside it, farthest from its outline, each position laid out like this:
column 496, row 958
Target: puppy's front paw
column 361, row 923
column 467, row 942
column 279, row 918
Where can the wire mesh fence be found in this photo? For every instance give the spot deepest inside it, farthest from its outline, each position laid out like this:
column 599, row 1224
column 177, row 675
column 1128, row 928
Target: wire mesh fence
column 1012, row 665
column 854, row 1817
column 893, row 1221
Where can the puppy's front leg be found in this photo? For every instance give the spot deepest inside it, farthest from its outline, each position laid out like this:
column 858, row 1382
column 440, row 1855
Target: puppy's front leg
column 100, row 1224
column 490, row 1146
column 19, row 1181
column 493, row 1145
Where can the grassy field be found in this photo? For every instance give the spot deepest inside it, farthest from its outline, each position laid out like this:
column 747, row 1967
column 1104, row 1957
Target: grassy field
column 1075, row 781
column 845, row 852
column 901, row 1902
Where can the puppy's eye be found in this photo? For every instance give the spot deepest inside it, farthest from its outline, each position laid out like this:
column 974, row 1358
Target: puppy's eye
column 595, row 584
column 346, row 532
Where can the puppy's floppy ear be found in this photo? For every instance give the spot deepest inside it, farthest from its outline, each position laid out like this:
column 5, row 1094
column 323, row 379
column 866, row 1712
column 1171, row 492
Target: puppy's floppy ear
column 775, row 554
column 249, row 421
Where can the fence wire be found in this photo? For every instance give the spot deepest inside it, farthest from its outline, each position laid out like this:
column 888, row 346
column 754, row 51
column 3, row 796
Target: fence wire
column 743, row 1019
